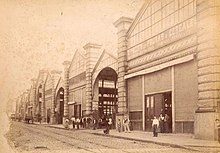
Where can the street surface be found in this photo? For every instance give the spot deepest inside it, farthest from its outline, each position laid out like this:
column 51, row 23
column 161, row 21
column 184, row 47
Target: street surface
column 39, row 138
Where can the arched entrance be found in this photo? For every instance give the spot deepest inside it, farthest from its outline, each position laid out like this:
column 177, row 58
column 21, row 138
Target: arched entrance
column 59, row 109
column 107, row 94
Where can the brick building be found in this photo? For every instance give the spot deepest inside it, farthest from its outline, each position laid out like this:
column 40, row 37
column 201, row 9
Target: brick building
column 168, row 62
column 91, row 83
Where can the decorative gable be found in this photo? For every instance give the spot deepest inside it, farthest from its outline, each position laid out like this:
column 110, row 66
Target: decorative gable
column 48, row 85
column 78, row 65
column 105, row 60
column 158, row 24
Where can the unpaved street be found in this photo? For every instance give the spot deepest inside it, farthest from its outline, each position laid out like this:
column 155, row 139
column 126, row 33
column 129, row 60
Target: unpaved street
column 38, row 138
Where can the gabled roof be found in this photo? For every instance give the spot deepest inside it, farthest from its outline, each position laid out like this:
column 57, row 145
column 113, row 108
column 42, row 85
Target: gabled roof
column 39, row 75
column 48, row 75
column 101, row 57
column 58, row 82
column 138, row 16
column 75, row 55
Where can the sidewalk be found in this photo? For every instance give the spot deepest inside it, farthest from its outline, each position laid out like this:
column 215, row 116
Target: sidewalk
column 186, row 141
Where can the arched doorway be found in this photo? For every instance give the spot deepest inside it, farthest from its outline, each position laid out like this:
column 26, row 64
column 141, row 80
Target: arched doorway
column 59, row 109
column 107, row 94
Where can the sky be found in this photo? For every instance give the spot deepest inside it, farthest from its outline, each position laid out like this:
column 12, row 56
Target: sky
column 37, row 34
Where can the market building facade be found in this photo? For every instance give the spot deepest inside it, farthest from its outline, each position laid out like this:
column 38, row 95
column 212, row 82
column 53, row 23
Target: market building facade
column 168, row 63
column 91, row 83
column 88, row 88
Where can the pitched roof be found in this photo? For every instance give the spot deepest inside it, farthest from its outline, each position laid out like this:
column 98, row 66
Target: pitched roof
column 101, row 57
column 75, row 55
column 138, row 16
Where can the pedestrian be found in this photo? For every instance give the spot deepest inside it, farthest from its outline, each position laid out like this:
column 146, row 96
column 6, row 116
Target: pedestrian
column 94, row 124
column 77, row 122
column 110, row 123
column 217, row 127
column 81, row 122
column 73, row 121
column 100, row 123
column 161, row 123
column 126, row 124
column 155, row 126
column 88, row 122
column 119, row 125
column 48, row 119
column 166, row 123
column 84, row 122
column 106, row 131
column 66, row 123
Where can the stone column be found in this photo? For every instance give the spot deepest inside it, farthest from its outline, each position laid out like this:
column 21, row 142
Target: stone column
column 43, row 74
column 28, row 101
column 55, row 75
column 66, row 88
column 43, row 103
column 33, row 96
column 17, row 107
column 208, row 21
column 122, row 24
column 92, row 55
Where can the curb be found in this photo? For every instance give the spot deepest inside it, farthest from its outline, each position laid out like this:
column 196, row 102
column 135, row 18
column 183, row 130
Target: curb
column 148, row 141
column 56, row 127
column 188, row 147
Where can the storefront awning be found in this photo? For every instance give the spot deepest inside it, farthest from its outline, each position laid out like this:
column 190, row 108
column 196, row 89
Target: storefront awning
column 161, row 66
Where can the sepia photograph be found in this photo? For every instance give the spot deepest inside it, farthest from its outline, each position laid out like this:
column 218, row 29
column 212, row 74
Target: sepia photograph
column 110, row 76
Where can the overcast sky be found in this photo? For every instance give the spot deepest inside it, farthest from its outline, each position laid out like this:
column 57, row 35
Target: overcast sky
column 36, row 34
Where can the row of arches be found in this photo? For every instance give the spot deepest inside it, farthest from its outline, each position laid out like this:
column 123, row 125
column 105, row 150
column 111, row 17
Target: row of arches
column 107, row 97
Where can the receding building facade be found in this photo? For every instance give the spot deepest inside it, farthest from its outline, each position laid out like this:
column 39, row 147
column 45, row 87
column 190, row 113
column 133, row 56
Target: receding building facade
column 170, row 64
column 91, row 83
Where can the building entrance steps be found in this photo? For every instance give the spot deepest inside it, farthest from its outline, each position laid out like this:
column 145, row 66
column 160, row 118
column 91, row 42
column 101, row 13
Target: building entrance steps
column 186, row 141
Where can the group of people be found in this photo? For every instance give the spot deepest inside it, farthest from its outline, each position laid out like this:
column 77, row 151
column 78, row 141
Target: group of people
column 77, row 123
column 125, row 124
column 161, row 124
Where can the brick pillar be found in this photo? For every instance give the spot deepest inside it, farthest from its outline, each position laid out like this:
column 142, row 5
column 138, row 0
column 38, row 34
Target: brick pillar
column 92, row 56
column 66, row 88
column 33, row 96
column 17, row 106
column 43, row 104
column 208, row 21
column 122, row 24
column 55, row 75
column 43, row 74
column 25, row 101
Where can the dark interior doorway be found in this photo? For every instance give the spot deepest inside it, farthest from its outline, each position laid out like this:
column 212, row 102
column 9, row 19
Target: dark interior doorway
column 108, row 94
column 60, row 106
column 156, row 104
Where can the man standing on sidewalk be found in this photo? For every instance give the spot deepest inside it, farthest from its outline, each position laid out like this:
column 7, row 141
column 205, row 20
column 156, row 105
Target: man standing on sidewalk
column 119, row 125
column 77, row 123
column 161, row 123
column 106, row 131
column 66, row 123
column 217, row 126
column 155, row 126
column 73, row 121
column 126, row 123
